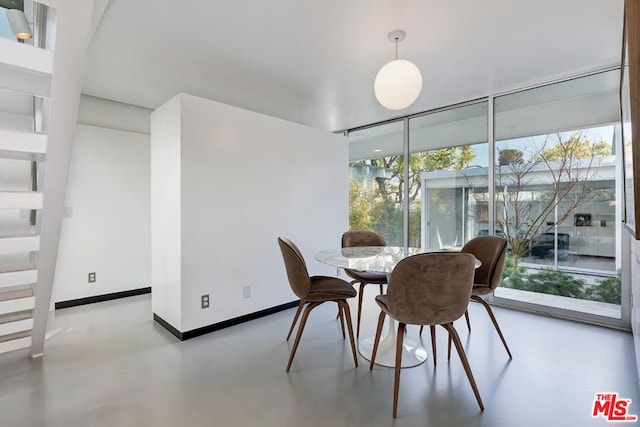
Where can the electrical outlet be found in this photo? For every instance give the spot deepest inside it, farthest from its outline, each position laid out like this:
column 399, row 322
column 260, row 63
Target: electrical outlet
column 92, row 277
column 204, row 301
column 246, row 291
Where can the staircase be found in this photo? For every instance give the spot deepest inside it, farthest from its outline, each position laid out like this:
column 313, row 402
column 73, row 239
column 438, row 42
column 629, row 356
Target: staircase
column 36, row 156
column 25, row 70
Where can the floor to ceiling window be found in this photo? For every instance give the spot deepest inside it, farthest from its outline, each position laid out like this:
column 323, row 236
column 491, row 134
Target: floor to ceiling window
column 555, row 193
column 448, row 150
column 376, row 188
column 546, row 179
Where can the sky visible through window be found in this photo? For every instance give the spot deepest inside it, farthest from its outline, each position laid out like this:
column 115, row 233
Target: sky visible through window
column 5, row 29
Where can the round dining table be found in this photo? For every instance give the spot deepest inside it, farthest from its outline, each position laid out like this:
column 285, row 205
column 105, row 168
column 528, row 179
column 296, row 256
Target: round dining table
column 381, row 259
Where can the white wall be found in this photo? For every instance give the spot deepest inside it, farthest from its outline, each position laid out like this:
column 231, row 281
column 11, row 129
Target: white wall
column 166, row 246
column 246, row 179
column 108, row 231
column 108, row 191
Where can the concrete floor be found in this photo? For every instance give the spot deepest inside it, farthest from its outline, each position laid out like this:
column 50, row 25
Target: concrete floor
column 109, row 364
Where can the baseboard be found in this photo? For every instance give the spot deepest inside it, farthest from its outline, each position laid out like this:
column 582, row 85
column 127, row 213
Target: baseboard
column 102, row 298
column 182, row 336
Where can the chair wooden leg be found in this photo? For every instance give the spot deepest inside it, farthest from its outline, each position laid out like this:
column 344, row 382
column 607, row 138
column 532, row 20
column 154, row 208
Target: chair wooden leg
column 433, row 342
column 295, row 318
column 381, row 289
column 465, row 363
column 341, row 317
column 353, row 282
column 376, row 340
column 466, row 316
column 396, row 382
column 360, row 295
column 449, row 350
column 493, row 319
column 303, row 322
column 344, row 306
column 421, row 327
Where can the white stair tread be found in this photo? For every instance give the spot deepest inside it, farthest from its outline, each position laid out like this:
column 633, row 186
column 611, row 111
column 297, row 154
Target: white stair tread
column 15, row 344
column 11, row 306
column 22, row 145
column 19, row 243
column 25, row 68
column 15, row 327
column 20, row 200
column 18, row 277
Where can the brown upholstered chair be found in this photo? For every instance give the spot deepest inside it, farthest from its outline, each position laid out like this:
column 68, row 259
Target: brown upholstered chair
column 363, row 238
column 491, row 251
column 427, row 289
column 314, row 290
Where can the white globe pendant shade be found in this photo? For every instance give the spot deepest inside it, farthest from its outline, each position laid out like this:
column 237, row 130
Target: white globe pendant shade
column 398, row 84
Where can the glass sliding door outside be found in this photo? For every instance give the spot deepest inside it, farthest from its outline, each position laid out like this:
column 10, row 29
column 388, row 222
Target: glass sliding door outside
column 556, row 193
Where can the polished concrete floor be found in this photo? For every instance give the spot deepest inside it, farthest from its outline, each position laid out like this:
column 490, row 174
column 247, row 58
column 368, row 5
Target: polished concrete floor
column 109, row 364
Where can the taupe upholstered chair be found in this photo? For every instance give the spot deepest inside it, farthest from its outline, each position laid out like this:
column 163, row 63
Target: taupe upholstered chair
column 491, row 251
column 363, row 238
column 427, row 289
column 314, row 290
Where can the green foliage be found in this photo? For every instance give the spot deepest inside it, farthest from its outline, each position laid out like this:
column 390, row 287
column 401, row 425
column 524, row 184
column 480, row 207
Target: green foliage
column 557, row 282
column 513, row 276
column 510, row 156
column 381, row 208
column 387, row 220
column 359, row 207
column 606, row 290
column 576, row 147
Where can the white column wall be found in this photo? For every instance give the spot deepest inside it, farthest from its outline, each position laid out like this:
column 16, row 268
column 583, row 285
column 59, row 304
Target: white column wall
column 246, row 179
column 166, row 249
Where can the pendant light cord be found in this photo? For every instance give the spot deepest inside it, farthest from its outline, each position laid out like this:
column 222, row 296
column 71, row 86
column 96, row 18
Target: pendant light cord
column 396, row 48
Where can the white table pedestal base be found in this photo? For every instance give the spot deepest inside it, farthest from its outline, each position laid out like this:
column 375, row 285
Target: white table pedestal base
column 413, row 354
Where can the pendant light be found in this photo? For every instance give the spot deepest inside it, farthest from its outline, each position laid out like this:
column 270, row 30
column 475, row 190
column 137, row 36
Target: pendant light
column 19, row 24
column 398, row 82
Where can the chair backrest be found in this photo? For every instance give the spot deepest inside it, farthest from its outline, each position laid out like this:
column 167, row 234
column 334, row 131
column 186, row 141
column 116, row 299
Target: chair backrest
column 491, row 251
column 431, row 289
column 357, row 238
column 296, row 267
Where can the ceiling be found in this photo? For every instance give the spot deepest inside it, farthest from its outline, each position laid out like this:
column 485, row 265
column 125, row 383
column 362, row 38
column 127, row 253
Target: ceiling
column 314, row 62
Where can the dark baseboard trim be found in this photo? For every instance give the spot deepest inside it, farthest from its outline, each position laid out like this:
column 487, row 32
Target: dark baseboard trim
column 168, row 326
column 182, row 336
column 102, row 298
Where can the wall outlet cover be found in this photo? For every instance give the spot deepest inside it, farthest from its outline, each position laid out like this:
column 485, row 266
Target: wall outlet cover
column 204, row 301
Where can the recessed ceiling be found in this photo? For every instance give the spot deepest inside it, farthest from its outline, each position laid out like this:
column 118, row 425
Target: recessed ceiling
column 315, row 62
